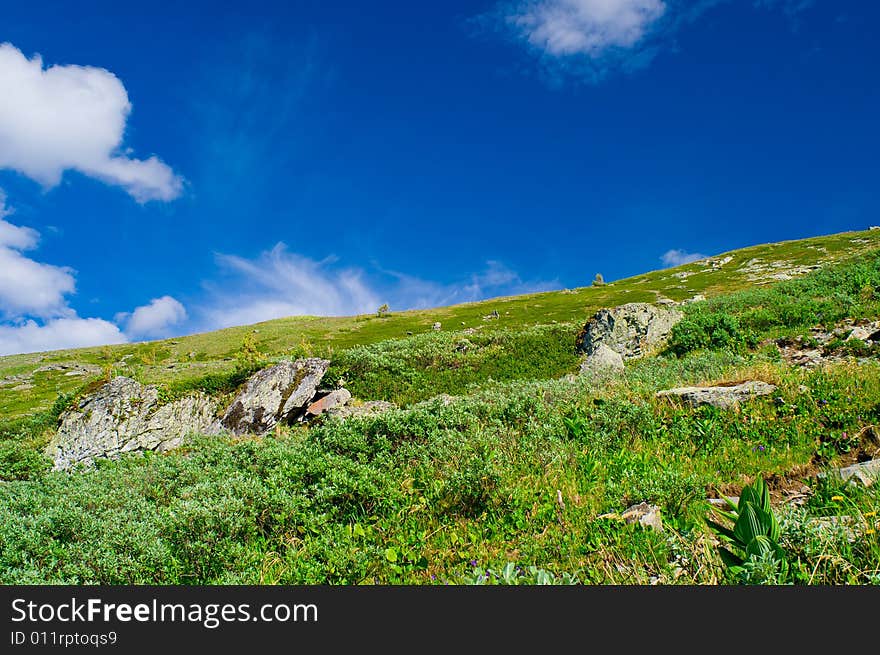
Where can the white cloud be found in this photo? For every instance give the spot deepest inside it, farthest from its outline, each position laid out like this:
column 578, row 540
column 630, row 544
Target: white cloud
column 676, row 257
column 584, row 27
column 31, row 289
column 72, row 118
column 154, row 319
column 56, row 334
column 588, row 39
column 279, row 283
column 28, row 287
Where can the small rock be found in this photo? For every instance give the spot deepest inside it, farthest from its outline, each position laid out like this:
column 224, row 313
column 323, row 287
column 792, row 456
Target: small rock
column 866, row 473
column 645, row 514
column 436, row 326
column 859, row 333
column 720, row 396
column 869, row 440
column 335, row 398
column 839, row 524
column 368, row 408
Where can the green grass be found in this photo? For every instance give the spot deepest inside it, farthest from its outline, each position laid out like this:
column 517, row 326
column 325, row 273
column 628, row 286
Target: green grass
column 426, row 491
column 515, row 480
column 196, row 356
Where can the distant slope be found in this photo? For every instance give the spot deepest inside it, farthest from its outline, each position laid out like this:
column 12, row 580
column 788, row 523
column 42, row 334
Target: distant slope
column 25, row 389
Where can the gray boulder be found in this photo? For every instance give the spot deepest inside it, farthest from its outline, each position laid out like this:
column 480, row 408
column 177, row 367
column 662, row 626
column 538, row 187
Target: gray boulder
column 725, row 397
column 602, row 361
column 866, row 473
column 124, row 416
column 273, row 395
column 369, row 408
column 633, row 330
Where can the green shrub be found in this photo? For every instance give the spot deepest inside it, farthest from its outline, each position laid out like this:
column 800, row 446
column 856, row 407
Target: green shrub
column 19, row 461
column 709, row 330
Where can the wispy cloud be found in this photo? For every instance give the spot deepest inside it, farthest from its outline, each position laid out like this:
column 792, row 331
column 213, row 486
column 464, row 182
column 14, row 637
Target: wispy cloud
column 587, row 40
column 280, row 283
column 676, row 257
column 72, row 118
column 585, row 27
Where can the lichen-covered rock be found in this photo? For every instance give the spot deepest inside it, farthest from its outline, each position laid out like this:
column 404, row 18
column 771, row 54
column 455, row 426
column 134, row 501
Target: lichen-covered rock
column 632, row 330
column 602, row 361
column 368, row 408
column 124, row 416
column 171, row 423
column 866, row 473
column 724, row 397
column 273, row 395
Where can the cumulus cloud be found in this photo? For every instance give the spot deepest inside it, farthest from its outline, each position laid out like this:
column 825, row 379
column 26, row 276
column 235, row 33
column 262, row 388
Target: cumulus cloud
column 56, row 334
column 28, row 287
column 72, row 118
column 32, row 290
column 280, row 283
column 585, row 27
column 676, row 257
column 154, row 319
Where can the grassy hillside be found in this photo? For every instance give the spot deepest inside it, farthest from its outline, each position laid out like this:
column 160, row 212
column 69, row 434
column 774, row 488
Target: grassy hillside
column 519, row 478
column 188, row 359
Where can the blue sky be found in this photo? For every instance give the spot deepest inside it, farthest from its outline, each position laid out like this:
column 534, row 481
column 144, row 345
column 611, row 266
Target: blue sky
column 175, row 167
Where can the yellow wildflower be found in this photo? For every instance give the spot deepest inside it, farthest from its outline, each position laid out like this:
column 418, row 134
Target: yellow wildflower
column 837, row 499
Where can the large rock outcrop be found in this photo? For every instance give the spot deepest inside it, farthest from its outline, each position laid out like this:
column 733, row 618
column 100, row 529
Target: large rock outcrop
column 124, row 416
column 632, row 330
column 724, row 397
column 274, row 395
